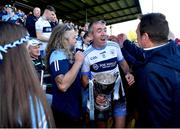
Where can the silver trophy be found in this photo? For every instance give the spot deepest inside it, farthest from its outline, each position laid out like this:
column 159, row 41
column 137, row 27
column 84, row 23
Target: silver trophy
column 104, row 87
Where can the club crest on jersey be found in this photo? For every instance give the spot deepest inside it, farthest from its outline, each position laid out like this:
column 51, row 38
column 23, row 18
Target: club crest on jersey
column 103, row 55
column 95, row 67
column 112, row 52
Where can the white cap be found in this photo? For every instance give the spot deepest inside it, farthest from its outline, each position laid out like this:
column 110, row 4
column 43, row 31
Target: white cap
column 33, row 42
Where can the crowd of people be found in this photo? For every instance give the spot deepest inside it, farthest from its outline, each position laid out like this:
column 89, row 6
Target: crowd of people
column 97, row 80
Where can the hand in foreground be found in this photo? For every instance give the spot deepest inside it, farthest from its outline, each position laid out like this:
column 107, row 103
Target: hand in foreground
column 100, row 99
column 130, row 79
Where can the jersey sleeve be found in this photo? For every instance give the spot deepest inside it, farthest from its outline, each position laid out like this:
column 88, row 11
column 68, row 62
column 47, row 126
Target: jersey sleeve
column 38, row 26
column 85, row 67
column 58, row 63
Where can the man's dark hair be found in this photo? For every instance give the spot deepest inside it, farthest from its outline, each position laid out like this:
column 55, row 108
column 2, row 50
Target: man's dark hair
column 155, row 25
column 51, row 8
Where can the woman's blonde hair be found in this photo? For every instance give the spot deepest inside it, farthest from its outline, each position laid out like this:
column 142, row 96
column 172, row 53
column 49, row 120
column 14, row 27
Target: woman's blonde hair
column 59, row 40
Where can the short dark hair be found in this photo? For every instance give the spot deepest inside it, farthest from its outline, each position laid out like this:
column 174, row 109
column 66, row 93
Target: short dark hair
column 155, row 25
column 51, row 8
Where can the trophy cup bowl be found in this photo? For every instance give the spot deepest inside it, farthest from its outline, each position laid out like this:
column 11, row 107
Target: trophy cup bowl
column 104, row 86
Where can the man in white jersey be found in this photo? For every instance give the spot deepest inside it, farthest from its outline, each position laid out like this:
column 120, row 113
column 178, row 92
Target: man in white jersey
column 103, row 57
column 43, row 27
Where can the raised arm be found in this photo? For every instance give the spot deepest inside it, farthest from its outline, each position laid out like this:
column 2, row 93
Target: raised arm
column 64, row 81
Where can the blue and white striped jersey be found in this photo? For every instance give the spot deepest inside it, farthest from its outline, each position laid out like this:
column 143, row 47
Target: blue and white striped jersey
column 104, row 60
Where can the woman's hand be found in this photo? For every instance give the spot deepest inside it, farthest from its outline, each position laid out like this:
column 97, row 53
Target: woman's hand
column 79, row 57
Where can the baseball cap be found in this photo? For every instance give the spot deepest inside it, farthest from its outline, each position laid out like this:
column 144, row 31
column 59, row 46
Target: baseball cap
column 33, row 42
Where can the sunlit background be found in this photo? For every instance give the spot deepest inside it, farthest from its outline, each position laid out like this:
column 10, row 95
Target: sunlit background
column 168, row 7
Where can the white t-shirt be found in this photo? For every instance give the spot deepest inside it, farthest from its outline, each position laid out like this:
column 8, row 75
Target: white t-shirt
column 42, row 25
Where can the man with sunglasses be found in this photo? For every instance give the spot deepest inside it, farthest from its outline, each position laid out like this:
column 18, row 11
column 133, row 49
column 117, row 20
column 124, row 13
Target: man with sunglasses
column 10, row 16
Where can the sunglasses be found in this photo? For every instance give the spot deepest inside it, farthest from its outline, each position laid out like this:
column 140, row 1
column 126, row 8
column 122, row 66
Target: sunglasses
column 68, row 27
column 8, row 6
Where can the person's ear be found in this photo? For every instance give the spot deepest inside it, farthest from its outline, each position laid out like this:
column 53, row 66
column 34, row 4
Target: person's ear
column 145, row 36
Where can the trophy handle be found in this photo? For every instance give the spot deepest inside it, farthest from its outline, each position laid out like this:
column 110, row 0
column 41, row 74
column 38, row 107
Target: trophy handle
column 91, row 99
column 116, row 75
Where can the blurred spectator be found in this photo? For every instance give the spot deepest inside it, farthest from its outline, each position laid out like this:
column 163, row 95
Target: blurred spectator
column 60, row 21
column 86, row 26
column 80, row 35
column 20, row 13
column 10, row 16
column 31, row 20
column 2, row 12
column 82, row 46
column 43, row 28
column 20, row 21
column 53, row 20
column 34, row 51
